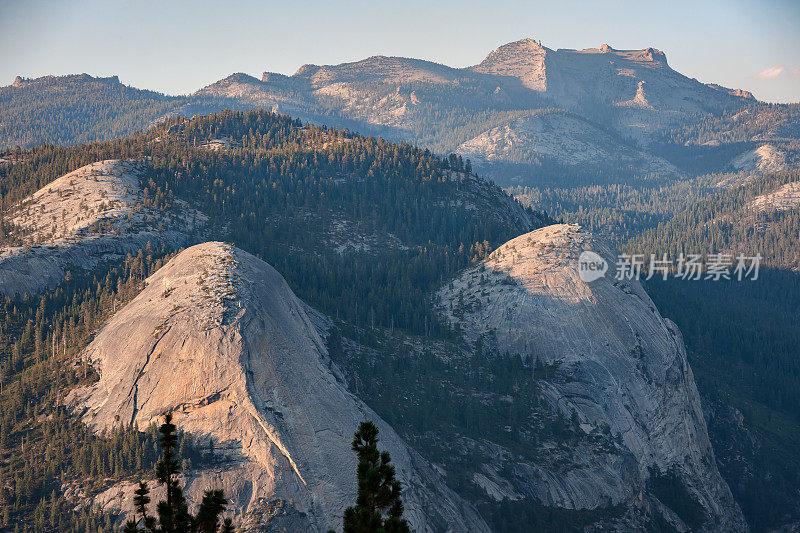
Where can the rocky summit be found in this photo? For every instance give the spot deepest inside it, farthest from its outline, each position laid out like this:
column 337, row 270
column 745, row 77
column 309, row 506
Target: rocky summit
column 620, row 364
column 219, row 339
column 91, row 216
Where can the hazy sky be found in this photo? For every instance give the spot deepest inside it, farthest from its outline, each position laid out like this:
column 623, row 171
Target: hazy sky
column 178, row 47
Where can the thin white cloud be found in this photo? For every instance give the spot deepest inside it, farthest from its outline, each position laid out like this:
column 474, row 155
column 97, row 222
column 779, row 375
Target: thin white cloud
column 771, row 73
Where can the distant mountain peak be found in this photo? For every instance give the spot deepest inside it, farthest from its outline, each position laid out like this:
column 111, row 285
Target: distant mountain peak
column 305, row 70
column 526, row 43
column 241, row 77
column 523, row 59
column 648, row 54
column 272, row 77
column 19, row 81
column 393, row 69
column 654, row 54
column 237, row 85
column 520, row 47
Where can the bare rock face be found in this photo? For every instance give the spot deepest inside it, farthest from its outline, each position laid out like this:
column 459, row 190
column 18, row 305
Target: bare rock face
column 523, row 59
column 765, row 158
column 625, row 365
column 605, row 75
column 81, row 219
column 219, row 339
column 784, row 198
column 563, row 138
column 648, row 93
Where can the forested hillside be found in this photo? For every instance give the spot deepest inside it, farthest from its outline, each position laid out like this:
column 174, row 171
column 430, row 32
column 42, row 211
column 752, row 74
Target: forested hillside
column 742, row 340
column 77, row 109
column 755, row 121
column 743, row 336
column 348, row 219
column 759, row 216
column 362, row 228
column 317, row 203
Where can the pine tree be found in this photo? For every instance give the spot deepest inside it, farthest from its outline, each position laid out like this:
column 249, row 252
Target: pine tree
column 378, row 490
column 140, row 501
column 173, row 513
column 211, row 508
column 227, row 526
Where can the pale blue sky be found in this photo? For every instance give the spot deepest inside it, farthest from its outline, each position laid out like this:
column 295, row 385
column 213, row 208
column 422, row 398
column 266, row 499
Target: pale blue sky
column 178, row 47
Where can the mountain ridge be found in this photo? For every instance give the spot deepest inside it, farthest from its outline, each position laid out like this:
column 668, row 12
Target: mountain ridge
column 634, row 94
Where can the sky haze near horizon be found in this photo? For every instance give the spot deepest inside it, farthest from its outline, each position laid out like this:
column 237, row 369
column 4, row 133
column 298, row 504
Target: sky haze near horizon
column 179, row 47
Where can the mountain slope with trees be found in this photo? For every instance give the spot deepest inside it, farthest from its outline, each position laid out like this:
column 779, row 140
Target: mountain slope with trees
column 77, row 109
column 287, row 191
column 365, row 230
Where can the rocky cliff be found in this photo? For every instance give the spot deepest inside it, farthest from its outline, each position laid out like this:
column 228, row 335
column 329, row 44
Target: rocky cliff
column 218, row 338
column 523, row 59
column 636, row 91
column 619, row 364
column 640, row 79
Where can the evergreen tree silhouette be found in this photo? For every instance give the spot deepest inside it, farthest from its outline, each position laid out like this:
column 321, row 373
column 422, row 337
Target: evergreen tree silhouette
column 173, row 513
column 378, row 508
